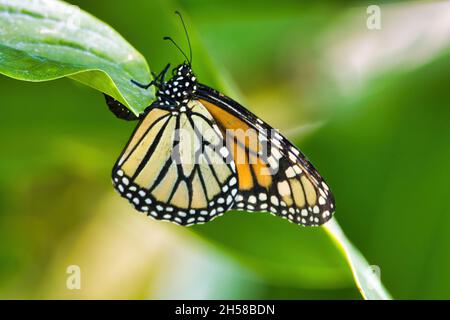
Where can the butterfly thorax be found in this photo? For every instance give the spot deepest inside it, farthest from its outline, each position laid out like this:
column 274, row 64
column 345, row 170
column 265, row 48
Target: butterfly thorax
column 178, row 90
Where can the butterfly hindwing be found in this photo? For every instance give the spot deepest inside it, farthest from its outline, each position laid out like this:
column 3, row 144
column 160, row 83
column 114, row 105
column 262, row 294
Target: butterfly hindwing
column 174, row 167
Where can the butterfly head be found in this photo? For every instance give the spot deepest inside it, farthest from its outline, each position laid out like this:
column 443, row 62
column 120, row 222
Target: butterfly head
column 179, row 89
column 181, row 86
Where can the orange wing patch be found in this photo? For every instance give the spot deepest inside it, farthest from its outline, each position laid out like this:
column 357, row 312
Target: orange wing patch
column 244, row 143
column 279, row 179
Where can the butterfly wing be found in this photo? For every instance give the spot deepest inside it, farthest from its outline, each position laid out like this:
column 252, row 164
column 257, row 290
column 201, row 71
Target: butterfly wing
column 273, row 175
column 174, row 168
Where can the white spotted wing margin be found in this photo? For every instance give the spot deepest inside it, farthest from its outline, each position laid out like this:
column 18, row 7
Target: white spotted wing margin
column 175, row 167
column 296, row 191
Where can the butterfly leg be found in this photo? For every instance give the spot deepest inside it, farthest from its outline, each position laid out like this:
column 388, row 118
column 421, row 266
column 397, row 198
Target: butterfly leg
column 162, row 74
column 158, row 79
column 143, row 86
column 119, row 110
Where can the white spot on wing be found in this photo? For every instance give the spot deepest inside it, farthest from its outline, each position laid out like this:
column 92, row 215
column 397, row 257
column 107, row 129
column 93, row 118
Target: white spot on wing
column 322, row 200
column 274, row 200
column 224, row 152
column 290, row 173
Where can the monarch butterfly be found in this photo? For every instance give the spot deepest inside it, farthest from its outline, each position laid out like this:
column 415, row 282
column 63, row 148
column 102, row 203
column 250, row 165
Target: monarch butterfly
column 197, row 153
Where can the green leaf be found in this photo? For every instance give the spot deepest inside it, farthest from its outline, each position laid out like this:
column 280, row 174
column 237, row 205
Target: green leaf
column 367, row 277
column 282, row 252
column 43, row 40
column 291, row 255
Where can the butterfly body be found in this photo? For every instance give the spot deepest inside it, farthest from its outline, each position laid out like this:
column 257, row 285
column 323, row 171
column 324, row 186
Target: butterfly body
column 176, row 92
column 196, row 154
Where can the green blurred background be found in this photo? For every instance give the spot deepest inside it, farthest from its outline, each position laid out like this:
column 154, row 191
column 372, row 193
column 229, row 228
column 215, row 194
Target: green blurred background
column 369, row 107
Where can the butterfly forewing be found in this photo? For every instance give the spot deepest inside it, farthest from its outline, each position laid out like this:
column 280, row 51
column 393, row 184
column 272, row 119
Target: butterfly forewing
column 273, row 174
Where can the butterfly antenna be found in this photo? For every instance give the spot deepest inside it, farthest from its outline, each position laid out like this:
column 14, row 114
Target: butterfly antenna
column 178, row 47
column 187, row 35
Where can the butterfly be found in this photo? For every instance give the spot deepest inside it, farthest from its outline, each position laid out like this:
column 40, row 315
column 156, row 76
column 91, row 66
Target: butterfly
column 197, row 153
